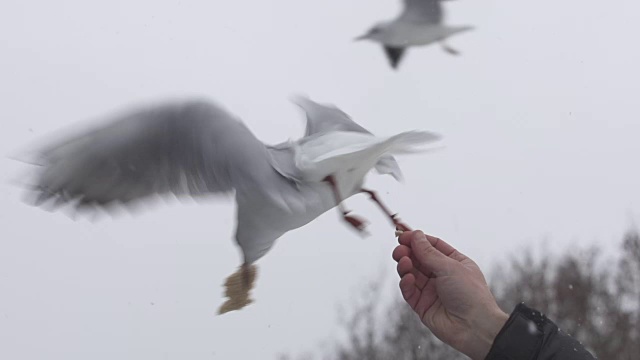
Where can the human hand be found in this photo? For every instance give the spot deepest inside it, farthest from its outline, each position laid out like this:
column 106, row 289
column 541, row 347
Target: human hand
column 449, row 293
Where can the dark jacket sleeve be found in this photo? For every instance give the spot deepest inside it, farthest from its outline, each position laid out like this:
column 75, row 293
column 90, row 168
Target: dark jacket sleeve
column 529, row 335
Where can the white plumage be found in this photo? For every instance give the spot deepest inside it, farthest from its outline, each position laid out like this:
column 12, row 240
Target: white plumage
column 195, row 148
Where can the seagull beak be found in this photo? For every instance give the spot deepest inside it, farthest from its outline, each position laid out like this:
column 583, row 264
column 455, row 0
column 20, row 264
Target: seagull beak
column 361, row 37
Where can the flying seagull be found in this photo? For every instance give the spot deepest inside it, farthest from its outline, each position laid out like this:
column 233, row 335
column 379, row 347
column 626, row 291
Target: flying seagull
column 195, row 148
column 419, row 24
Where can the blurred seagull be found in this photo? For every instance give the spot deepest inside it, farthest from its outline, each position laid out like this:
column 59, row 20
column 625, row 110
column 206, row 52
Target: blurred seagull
column 419, row 24
column 196, row 148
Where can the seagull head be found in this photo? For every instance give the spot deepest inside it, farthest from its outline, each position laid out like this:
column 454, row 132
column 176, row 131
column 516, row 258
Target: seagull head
column 374, row 33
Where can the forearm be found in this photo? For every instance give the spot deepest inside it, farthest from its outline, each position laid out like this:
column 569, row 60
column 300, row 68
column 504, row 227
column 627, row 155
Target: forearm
column 528, row 334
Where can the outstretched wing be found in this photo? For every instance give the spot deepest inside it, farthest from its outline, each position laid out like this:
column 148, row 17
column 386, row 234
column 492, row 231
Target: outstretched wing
column 422, row 11
column 190, row 148
column 323, row 118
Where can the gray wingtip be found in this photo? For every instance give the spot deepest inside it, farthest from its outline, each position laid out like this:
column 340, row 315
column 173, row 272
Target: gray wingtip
column 398, row 176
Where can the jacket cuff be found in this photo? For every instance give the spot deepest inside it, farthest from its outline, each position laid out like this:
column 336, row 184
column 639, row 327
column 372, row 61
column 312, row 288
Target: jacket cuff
column 521, row 337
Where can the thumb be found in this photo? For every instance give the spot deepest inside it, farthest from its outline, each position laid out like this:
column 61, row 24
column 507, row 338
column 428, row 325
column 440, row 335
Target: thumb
column 429, row 258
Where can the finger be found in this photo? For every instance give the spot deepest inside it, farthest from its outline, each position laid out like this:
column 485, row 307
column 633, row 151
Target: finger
column 429, row 258
column 422, row 279
column 410, row 292
column 405, row 266
column 428, row 297
column 441, row 245
column 401, row 251
column 405, row 238
column 445, row 248
column 423, row 274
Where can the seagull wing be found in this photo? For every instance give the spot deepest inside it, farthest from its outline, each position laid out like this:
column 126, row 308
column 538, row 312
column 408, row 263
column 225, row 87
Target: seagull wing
column 422, row 11
column 322, row 118
column 189, row 148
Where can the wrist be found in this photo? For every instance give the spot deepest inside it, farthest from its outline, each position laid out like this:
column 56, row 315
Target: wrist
column 483, row 331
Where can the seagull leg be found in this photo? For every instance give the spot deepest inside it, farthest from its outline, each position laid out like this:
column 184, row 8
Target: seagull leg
column 248, row 275
column 358, row 223
column 400, row 226
column 449, row 49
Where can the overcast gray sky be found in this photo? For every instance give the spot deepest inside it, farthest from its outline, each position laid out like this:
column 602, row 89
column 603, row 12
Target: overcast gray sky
column 539, row 115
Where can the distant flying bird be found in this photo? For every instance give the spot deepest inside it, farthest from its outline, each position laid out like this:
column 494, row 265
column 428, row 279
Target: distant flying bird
column 419, row 24
column 196, row 148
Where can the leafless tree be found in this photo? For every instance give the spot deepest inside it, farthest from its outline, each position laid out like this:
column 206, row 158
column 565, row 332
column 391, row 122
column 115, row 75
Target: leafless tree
column 594, row 299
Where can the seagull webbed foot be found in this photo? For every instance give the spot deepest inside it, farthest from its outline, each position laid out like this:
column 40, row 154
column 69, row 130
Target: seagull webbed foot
column 356, row 222
column 237, row 288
